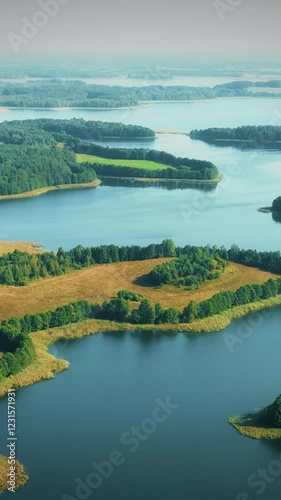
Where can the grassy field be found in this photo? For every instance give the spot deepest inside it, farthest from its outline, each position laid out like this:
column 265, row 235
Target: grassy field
column 21, row 477
column 143, row 164
column 102, row 282
column 23, row 246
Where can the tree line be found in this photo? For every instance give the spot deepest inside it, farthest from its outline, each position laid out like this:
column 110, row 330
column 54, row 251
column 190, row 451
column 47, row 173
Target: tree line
column 44, row 131
column 181, row 168
column 254, row 134
column 18, row 268
column 31, row 158
column 19, row 350
column 57, row 93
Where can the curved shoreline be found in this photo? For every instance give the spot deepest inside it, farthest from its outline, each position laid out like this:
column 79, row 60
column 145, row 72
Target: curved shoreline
column 253, row 431
column 97, row 182
column 47, row 366
column 47, row 189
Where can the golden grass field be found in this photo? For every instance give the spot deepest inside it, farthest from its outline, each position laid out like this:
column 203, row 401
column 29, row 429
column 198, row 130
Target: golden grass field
column 255, row 432
column 23, row 246
column 102, row 282
column 21, row 477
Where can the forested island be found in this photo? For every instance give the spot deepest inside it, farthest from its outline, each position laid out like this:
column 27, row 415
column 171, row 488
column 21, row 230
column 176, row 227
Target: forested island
column 265, row 424
column 55, row 93
column 36, row 154
column 245, row 136
column 275, row 209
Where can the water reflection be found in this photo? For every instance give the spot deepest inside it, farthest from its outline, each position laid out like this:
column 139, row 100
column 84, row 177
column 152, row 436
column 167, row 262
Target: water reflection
column 167, row 185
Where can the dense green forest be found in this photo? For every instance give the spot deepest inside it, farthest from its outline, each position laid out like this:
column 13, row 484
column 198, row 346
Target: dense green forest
column 44, row 131
column 276, row 205
column 18, row 268
column 25, row 168
column 30, row 157
column 258, row 135
column 190, row 270
column 58, row 93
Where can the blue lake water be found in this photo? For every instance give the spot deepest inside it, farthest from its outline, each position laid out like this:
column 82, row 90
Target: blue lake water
column 114, row 380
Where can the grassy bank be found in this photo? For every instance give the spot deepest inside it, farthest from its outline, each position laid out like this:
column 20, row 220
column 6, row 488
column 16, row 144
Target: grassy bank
column 47, row 366
column 21, row 477
column 188, row 182
column 44, row 190
column 246, row 429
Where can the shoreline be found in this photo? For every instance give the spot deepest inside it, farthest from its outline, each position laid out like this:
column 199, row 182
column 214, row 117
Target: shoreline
column 47, row 189
column 46, row 366
column 141, row 104
column 190, row 182
column 253, row 431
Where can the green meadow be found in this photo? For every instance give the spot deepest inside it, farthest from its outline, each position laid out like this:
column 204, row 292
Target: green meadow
column 142, row 164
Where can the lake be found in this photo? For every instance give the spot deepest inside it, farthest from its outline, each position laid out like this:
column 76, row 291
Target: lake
column 114, row 380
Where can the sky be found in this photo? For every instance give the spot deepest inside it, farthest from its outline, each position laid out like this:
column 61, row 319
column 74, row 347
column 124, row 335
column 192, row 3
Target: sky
column 187, row 26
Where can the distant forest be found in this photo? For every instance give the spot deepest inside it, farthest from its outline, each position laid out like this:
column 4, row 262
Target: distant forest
column 255, row 135
column 58, row 93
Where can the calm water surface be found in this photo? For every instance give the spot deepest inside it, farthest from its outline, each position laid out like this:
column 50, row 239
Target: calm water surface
column 79, row 417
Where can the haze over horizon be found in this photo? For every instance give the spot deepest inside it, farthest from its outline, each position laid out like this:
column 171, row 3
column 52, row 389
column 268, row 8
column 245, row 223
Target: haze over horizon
column 234, row 28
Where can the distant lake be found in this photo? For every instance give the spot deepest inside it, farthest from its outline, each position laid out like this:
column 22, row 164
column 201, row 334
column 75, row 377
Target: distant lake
column 189, row 81
column 182, row 116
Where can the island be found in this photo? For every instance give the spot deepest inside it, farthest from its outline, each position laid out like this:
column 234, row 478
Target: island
column 37, row 156
column 275, row 209
column 241, row 137
column 265, row 424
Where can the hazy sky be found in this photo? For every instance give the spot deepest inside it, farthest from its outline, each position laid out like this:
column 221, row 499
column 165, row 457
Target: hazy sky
column 243, row 26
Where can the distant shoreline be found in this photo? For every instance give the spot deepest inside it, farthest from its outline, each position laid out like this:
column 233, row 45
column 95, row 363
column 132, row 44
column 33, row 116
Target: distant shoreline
column 141, row 104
